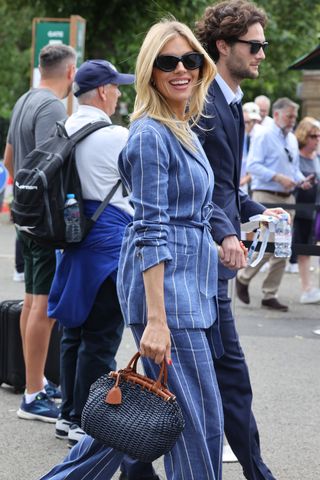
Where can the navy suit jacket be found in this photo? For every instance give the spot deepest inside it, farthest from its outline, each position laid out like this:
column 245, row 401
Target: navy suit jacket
column 223, row 145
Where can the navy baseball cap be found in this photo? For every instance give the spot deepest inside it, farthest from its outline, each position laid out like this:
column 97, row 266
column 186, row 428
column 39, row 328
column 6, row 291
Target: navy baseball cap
column 95, row 73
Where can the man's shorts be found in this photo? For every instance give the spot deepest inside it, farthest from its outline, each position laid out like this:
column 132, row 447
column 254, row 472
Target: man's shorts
column 39, row 266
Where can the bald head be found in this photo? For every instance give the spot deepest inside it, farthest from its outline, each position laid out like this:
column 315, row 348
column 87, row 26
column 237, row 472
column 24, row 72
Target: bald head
column 263, row 103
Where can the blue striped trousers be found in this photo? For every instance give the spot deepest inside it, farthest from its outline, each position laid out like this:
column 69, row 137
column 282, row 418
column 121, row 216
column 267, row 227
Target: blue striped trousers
column 197, row 454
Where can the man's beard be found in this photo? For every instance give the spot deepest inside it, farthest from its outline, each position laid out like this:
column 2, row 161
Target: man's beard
column 240, row 72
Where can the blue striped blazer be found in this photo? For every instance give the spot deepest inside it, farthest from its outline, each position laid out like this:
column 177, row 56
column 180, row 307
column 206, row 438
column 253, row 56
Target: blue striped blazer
column 171, row 189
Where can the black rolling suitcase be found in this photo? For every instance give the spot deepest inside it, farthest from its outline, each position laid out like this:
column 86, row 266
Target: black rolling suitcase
column 12, row 370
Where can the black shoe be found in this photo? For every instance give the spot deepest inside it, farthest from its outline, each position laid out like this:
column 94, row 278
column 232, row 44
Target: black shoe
column 242, row 292
column 274, row 304
column 123, row 476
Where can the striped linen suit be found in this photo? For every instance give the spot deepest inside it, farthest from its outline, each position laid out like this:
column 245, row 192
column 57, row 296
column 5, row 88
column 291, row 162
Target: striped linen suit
column 171, row 188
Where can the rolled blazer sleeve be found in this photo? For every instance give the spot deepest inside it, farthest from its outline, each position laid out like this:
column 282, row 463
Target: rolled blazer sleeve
column 149, row 158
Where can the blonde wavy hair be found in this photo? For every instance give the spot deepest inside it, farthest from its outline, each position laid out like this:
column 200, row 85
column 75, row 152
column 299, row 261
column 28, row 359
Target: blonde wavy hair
column 149, row 100
column 307, row 126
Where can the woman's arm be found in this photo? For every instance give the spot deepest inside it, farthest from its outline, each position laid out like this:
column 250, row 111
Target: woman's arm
column 146, row 160
column 155, row 342
column 146, row 163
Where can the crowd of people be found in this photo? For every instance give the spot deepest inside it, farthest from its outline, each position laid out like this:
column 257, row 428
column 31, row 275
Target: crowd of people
column 283, row 166
column 194, row 165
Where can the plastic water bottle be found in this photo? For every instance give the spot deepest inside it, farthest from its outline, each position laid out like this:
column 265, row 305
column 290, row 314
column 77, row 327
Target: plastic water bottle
column 72, row 219
column 282, row 237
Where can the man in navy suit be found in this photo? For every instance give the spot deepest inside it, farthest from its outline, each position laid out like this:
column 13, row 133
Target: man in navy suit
column 233, row 33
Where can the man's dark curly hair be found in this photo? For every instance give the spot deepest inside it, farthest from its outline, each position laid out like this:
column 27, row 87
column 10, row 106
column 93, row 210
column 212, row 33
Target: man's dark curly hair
column 227, row 21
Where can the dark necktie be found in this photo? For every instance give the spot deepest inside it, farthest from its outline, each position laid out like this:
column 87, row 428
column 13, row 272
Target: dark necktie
column 236, row 116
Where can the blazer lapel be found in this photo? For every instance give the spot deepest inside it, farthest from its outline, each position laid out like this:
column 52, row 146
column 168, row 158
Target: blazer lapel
column 198, row 154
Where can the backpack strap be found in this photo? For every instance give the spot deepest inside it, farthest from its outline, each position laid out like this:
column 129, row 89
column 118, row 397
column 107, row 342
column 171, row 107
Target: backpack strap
column 105, row 202
column 80, row 135
column 85, row 130
column 61, row 128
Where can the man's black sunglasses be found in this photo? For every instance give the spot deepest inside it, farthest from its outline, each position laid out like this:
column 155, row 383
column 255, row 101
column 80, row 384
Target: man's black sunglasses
column 254, row 46
column 290, row 157
column 168, row 63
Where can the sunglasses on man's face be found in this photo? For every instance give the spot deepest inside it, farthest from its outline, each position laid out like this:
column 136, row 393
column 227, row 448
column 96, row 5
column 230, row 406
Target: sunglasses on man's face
column 254, row 46
column 168, row 63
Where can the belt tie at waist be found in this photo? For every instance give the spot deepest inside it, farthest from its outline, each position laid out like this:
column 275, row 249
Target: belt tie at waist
column 208, row 256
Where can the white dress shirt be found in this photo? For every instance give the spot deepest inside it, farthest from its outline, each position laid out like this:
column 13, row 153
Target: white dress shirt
column 97, row 156
column 267, row 121
column 228, row 93
column 272, row 153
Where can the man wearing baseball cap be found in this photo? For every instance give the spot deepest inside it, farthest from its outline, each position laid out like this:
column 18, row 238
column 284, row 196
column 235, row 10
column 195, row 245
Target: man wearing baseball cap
column 96, row 73
column 84, row 282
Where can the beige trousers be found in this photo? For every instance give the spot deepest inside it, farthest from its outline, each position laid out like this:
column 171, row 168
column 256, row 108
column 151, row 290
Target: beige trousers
column 271, row 283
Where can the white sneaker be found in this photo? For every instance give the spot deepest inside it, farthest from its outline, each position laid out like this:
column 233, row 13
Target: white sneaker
column 311, row 296
column 228, row 456
column 62, row 428
column 18, row 277
column 292, row 268
column 265, row 267
column 75, row 434
column 316, row 331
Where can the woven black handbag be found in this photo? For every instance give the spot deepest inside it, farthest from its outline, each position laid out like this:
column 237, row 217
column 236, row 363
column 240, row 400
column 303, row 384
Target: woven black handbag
column 133, row 413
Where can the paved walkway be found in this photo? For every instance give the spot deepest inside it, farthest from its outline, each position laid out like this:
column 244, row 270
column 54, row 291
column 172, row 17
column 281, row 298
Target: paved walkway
column 283, row 356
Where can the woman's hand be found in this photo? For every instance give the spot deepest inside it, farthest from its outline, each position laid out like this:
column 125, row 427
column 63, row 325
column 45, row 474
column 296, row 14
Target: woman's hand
column 232, row 254
column 155, row 342
column 308, row 182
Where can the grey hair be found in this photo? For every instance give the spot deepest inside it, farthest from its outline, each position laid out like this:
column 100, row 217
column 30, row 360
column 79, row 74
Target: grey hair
column 87, row 97
column 263, row 98
column 283, row 103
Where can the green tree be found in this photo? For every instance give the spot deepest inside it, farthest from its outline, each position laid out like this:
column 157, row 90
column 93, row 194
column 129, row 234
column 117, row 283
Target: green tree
column 292, row 31
column 116, row 30
column 15, row 41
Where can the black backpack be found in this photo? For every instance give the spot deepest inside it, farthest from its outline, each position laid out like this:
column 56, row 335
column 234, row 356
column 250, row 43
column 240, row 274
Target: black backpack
column 41, row 187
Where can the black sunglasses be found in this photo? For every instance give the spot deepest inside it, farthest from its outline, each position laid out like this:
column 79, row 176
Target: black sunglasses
column 290, row 157
column 254, row 46
column 168, row 63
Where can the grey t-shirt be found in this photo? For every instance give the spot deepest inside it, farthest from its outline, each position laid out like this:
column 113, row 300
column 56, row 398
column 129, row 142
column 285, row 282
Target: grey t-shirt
column 33, row 121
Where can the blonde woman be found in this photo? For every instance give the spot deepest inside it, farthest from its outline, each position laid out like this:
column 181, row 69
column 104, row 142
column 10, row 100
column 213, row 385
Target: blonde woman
column 167, row 280
column 308, row 136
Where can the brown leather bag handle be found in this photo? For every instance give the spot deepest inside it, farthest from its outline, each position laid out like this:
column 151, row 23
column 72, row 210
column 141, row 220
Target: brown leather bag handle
column 163, row 375
column 130, row 374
